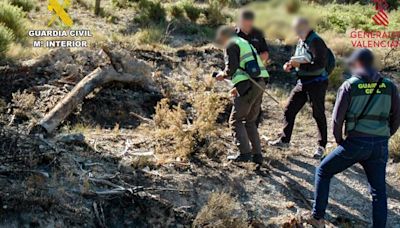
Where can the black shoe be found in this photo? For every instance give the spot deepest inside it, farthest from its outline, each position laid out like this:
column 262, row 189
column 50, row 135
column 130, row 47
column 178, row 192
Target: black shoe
column 279, row 143
column 240, row 158
column 258, row 159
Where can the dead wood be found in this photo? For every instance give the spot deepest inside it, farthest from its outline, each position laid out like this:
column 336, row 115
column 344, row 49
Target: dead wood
column 144, row 119
column 129, row 70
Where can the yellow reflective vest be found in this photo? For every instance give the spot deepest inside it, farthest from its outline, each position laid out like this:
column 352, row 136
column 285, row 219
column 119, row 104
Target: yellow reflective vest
column 246, row 55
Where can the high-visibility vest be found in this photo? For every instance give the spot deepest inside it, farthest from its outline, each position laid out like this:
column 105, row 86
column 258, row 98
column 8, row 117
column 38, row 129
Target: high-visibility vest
column 375, row 120
column 246, row 55
column 303, row 48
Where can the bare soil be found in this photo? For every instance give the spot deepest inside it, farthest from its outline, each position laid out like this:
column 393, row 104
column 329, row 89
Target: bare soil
column 111, row 178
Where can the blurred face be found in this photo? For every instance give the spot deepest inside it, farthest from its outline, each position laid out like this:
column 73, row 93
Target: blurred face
column 246, row 25
column 355, row 66
column 301, row 28
column 222, row 41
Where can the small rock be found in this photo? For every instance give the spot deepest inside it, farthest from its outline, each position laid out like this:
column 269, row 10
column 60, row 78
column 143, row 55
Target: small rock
column 71, row 138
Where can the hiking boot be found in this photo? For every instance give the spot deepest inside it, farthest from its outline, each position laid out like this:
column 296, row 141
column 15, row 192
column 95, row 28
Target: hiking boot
column 319, row 152
column 316, row 223
column 258, row 159
column 278, row 143
column 240, row 158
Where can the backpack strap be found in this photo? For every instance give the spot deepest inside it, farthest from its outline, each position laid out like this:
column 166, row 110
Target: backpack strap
column 254, row 56
column 307, row 42
column 362, row 115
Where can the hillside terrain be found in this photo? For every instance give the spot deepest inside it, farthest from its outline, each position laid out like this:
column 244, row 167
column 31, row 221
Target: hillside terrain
column 154, row 154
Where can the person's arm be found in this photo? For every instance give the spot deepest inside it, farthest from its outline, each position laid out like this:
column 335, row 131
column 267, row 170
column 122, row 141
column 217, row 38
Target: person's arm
column 342, row 103
column 232, row 59
column 319, row 52
column 395, row 111
column 263, row 49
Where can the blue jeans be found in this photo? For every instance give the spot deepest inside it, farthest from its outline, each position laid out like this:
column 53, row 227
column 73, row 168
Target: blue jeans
column 372, row 154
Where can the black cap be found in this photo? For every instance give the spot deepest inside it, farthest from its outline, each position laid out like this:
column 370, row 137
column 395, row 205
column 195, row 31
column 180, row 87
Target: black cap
column 363, row 55
column 247, row 15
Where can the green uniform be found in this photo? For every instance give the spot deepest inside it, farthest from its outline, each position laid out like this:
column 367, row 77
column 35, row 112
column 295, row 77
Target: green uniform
column 247, row 106
column 376, row 116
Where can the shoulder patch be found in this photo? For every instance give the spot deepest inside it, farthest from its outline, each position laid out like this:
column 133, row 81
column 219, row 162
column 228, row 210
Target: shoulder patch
column 353, row 80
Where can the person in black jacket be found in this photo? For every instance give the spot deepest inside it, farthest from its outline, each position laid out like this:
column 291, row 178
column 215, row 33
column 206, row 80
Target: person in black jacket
column 311, row 85
column 254, row 36
column 245, row 29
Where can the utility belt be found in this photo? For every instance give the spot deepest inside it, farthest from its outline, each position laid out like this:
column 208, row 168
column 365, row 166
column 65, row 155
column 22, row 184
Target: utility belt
column 320, row 78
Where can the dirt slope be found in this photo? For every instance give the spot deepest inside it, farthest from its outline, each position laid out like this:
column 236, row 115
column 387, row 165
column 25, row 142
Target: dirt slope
column 111, row 178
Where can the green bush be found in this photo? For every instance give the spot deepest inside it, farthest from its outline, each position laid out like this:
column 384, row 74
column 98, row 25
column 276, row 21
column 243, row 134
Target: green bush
column 150, row 35
column 13, row 18
column 6, row 37
column 213, row 13
column 393, row 4
column 26, row 5
column 336, row 78
column 192, row 11
column 292, row 6
column 150, row 12
column 119, row 3
column 176, row 11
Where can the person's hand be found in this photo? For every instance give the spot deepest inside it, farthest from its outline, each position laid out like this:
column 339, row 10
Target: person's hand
column 220, row 76
column 287, row 67
column 294, row 64
column 234, row 92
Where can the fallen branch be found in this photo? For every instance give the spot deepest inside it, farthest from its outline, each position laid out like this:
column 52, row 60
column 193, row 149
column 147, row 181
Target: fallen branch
column 6, row 171
column 128, row 71
column 99, row 215
column 144, row 119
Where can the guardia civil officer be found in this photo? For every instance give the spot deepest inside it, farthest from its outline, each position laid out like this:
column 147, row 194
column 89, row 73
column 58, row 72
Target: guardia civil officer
column 368, row 105
column 242, row 62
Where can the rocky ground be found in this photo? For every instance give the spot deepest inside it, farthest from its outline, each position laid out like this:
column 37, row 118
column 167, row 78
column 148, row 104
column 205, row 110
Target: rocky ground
column 100, row 167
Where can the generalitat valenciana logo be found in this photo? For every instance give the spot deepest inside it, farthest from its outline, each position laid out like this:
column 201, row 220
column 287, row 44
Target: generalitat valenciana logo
column 381, row 17
column 59, row 12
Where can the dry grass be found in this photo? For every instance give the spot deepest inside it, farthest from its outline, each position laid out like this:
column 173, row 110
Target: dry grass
column 3, row 105
column 23, row 103
column 339, row 43
column 176, row 135
column 394, row 146
column 221, row 210
column 172, row 135
column 181, row 132
column 150, row 35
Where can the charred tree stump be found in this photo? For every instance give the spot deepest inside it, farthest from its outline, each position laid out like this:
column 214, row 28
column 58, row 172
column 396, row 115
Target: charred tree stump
column 131, row 71
column 97, row 8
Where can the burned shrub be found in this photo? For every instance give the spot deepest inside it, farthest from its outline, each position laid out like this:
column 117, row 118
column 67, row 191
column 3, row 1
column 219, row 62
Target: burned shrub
column 394, row 147
column 180, row 133
column 221, row 210
column 23, row 104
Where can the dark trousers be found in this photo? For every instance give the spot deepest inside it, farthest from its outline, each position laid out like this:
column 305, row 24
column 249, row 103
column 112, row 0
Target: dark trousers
column 315, row 93
column 372, row 154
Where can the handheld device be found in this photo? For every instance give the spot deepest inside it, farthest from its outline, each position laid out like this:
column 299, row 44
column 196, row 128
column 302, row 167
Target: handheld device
column 301, row 59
